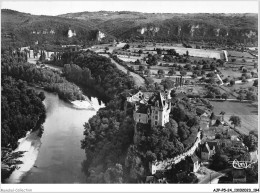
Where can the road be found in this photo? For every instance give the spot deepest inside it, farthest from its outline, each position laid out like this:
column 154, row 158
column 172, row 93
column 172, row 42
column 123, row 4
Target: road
column 139, row 81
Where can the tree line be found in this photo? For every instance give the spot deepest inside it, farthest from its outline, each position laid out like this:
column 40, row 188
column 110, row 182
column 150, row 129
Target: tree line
column 44, row 77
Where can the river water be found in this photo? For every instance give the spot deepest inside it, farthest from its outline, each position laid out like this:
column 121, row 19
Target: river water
column 56, row 156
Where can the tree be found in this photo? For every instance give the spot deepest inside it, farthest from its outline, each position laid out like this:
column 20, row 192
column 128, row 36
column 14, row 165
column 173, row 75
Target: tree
column 127, row 46
column 255, row 83
column 194, row 76
column 137, row 62
column 251, row 96
column 219, row 161
column 211, row 80
column 250, row 141
column 171, row 72
column 141, row 67
column 255, row 65
column 225, row 95
column 188, row 67
column 211, row 95
column 140, row 51
column 149, row 81
column 240, row 97
column 172, row 52
column 183, row 73
column 41, row 95
column 235, row 120
column 244, row 70
column 232, row 82
column 161, row 72
column 114, row 174
column 244, row 79
column 226, row 80
column 167, row 83
column 159, row 51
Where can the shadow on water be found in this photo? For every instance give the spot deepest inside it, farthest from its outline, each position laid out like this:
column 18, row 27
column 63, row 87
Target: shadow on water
column 91, row 93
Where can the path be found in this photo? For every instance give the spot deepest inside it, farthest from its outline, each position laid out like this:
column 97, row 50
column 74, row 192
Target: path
column 220, row 79
column 139, row 81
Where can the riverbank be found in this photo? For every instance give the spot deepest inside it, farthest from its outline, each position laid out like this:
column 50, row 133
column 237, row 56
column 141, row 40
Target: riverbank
column 30, row 146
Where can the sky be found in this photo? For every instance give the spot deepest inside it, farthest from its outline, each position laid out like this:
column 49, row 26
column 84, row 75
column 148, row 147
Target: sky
column 62, row 7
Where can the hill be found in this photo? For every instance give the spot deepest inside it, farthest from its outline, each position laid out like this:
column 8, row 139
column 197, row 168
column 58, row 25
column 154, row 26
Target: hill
column 125, row 25
column 175, row 27
column 27, row 29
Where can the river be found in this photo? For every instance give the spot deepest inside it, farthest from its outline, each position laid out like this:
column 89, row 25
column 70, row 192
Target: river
column 56, row 156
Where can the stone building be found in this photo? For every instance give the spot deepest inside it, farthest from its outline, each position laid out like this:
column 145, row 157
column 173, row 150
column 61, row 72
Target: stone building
column 151, row 108
column 71, row 33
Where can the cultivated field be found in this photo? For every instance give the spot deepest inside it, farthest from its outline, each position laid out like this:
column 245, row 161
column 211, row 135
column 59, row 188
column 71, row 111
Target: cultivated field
column 240, row 54
column 192, row 52
column 246, row 111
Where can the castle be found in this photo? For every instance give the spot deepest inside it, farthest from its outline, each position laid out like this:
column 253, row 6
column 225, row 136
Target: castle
column 151, row 108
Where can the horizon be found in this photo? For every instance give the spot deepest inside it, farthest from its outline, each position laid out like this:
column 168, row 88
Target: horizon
column 127, row 11
column 48, row 8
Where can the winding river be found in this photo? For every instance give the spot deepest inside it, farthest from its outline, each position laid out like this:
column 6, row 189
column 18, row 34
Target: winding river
column 56, row 156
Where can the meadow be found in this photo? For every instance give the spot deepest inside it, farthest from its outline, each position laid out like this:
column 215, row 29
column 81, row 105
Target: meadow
column 247, row 111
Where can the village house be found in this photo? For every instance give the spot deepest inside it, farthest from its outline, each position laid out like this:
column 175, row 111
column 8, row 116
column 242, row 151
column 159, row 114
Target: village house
column 194, row 162
column 207, row 151
column 215, row 119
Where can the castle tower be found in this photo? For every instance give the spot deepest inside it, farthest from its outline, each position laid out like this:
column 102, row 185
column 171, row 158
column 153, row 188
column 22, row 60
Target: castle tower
column 160, row 110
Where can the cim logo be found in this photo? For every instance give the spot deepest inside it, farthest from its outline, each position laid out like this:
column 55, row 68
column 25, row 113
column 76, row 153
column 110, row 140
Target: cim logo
column 241, row 164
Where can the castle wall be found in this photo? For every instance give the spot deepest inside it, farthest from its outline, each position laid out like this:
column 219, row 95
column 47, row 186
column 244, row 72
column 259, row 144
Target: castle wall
column 140, row 118
column 166, row 164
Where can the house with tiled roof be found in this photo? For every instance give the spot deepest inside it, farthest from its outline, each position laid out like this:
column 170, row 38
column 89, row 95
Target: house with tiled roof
column 207, row 151
column 194, row 162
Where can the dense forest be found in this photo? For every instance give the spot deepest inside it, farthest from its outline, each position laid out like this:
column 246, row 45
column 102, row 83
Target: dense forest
column 15, row 65
column 91, row 70
column 21, row 110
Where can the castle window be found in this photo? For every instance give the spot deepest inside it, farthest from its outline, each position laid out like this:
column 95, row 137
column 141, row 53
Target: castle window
column 156, row 112
column 155, row 123
column 156, row 117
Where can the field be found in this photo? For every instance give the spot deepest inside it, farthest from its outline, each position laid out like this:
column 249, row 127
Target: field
column 192, row 52
column 228, row 72
column 240, row 54
column 248, row 113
